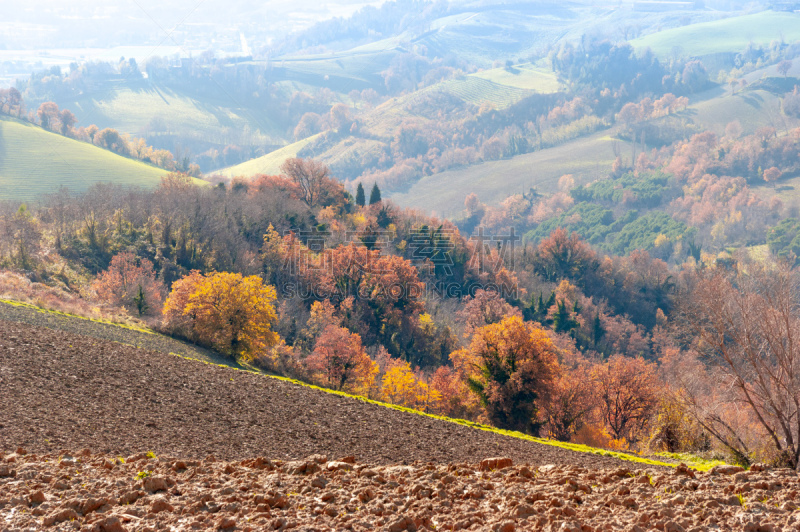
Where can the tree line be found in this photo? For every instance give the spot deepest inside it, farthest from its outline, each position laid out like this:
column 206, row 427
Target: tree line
column 292, row 274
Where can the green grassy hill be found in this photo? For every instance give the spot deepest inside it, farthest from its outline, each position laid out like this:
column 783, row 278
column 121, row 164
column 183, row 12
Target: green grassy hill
column 751, row 108
column 587, row 159
column 727, row 35
column 140, row 107
column 35, row 162
column 269, row 164
column 530, row 77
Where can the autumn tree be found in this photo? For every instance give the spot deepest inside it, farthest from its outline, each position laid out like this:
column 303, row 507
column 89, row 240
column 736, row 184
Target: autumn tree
column 379, row 295
column 694, row 76
column 453, row 397
column 563, row 256
column 48, row 114
column 512, row 366
column 340, row 362
column 312, row 177
column 131, row 282
column 11, row 102
column 471, row 203
column 111, row 140
column 628, row 392
column 308, row 125
column 400, row 386
column 485, row 308
column 572, row 400
column 322, row 315
column 746, row 325
column 20, row 238
column 784, row 67
column 230, row 312
column 771, row 175
column 67, row 120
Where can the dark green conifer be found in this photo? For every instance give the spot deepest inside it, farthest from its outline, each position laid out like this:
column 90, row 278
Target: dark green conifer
column 360, row 199
column 375, row 195
column 597, row 329
column 563, row 321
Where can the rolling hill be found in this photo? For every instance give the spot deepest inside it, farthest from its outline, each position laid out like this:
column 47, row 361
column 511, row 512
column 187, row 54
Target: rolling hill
column 590, row 158
column 497, row 87
column 209, row 112
column 35, row 162
column 587, row 159
column 156, row 109
column 266, row 164
column 726, row 35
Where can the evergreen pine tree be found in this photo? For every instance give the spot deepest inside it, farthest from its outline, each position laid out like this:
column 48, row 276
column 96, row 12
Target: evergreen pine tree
column 550, row 301
column 597, row 329
column 360, row 199
column 139, row 301
column 562, row 319
column 375, row 195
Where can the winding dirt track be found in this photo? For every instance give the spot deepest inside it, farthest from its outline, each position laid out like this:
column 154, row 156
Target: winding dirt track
column 61, row 390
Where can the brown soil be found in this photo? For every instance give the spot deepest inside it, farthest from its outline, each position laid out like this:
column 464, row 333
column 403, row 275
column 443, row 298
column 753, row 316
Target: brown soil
column 63, row 390
column 106, row 331
column 96, row 493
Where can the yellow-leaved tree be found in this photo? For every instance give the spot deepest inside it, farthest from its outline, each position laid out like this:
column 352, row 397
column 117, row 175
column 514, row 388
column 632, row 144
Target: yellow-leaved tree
column 229, row 312
column 401, row 387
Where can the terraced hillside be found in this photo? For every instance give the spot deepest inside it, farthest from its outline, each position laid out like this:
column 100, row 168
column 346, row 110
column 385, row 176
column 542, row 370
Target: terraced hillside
column 35, row 162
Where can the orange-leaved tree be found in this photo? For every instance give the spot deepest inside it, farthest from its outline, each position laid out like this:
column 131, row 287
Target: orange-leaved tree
column 511, row 367
column 132, row 283
column 232, row 313
column 563, row 256
column 453, row 397
column 340, row 362
column 628, row 390
column 485, row 308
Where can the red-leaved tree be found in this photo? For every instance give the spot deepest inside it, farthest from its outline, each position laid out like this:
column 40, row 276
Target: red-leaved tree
column 131, row 283
column 340, row 362
column 627, row 388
